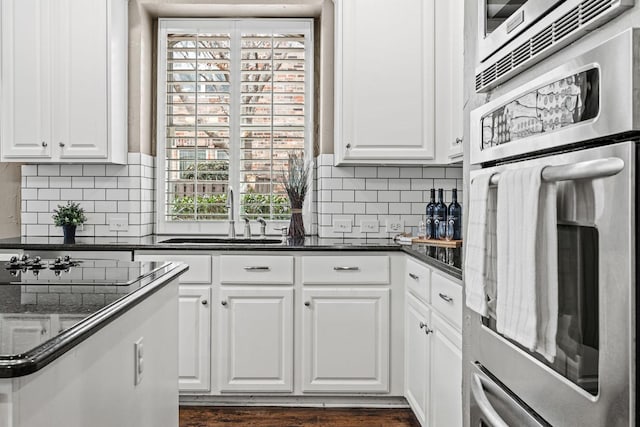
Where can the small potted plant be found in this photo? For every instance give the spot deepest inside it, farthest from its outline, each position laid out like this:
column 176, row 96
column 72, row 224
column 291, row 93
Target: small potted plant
column 69, row 216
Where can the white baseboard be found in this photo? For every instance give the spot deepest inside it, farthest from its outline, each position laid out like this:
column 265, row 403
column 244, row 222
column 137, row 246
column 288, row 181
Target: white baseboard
column 299, row 401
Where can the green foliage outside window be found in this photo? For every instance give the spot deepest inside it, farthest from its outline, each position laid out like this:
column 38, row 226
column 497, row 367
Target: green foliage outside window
column 213, row 206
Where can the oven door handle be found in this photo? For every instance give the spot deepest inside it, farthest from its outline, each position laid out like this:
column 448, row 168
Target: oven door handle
column 589, row 169
column 483, row 403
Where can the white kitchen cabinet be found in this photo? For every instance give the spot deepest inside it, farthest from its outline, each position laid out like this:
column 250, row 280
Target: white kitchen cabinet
column 416, row 357
column 194, row 338
column 345, row 344
column 194, row 321
column 23, row 332
column 449, row 97
column 64, row 81
column 433, row 348
column 445, row 400
column 384, row 82
column 256, row 339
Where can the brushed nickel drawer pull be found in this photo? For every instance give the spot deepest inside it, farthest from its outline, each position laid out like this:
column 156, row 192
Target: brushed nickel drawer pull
column 346, row 268
column 307, row 303
column 447, row 298
column 257, row 268
column 426, row 328
column 413, row 276
column 223, row 303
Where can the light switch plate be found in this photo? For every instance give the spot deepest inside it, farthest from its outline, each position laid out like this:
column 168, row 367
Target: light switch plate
column 119, row 223
column 369, row 226
column 342, row 225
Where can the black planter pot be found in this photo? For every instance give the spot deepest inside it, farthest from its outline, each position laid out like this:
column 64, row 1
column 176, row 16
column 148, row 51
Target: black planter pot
column 69, row 232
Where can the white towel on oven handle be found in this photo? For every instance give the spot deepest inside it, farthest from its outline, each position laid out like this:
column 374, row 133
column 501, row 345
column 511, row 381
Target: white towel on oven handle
column 527, row 260
column 478, row 244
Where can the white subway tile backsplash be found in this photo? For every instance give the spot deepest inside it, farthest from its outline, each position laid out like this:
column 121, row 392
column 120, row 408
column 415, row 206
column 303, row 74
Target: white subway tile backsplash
column 388, row 172
column 117, row 194
column 433, row 172
column 366, row 172
column 29, row 170
column 453, row 173
column 71, row 170
column 48, row 170
column 49, row 194
column 342, row 196
column 389, row 196
column 60, row 182
column 37, row 182
column 411, row 173
column 69, row 194
column 102, row 190
column 379, row 192
column 377, row 184
column 94, row 170
column 82, row 182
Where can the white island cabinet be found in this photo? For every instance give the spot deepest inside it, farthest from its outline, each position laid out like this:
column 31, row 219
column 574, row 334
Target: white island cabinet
column 116, row 367
column 63, row 81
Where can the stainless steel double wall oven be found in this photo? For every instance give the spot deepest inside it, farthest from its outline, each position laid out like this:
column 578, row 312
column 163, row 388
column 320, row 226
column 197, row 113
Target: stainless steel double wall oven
column 582, row 122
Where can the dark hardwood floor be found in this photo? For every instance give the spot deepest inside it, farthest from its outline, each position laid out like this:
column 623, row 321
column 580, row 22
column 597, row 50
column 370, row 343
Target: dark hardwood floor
column 205, row 416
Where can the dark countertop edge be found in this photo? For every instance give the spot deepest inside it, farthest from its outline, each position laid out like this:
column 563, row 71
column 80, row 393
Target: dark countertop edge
column 36, row 359
column 320, row 247
column 446, row 268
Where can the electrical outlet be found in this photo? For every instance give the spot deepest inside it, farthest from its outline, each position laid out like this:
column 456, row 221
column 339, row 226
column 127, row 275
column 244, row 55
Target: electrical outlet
column 342, row 225
column 395, row 226
column 369, row 226
column 138, row 362
column 119, row 223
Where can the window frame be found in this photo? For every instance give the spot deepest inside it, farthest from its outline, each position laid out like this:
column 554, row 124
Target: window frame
column 235, row 27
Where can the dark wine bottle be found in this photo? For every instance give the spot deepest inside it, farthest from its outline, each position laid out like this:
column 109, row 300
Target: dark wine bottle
column 431, row 206
column 440, row 217
column 454, row 218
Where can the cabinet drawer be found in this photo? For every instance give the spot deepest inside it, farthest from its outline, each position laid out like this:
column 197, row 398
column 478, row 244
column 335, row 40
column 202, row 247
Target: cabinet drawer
column 446, row 298
column 238, row 269
column 418, row 279
column 365, row 270
column 199, row 265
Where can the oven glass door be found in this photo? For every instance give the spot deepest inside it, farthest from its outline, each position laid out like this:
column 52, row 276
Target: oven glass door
column 577, row 340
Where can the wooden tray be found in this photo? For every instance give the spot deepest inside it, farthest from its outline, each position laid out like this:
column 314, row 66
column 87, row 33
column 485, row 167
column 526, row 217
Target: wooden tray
column 440, row 243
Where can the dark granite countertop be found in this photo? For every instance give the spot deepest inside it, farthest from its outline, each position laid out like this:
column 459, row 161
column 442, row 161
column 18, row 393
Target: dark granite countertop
column 81, row 301
column 447, row 260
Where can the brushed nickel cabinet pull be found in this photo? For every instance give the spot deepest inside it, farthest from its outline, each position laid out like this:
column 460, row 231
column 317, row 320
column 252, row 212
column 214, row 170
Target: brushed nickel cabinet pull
column 447, row 298
column 413, row 276
column 44, row 144
column 61, row 144
column 223, row 303
column 307, row 303
column 205, row 302
column 346, row 268
column 426, row 328
column 257, row 268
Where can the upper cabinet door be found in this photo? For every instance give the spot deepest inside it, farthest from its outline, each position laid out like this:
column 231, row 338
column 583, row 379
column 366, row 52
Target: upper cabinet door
column 25, row 93
column 64, row 81
column 80, row 99
column 384, row 81
column 449, row 34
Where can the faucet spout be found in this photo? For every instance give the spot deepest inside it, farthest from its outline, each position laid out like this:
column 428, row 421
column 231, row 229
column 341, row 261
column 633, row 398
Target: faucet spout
column 230, row 205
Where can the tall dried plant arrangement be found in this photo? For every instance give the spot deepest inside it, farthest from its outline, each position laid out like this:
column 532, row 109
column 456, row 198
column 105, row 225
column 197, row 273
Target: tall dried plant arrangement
column 296, row 183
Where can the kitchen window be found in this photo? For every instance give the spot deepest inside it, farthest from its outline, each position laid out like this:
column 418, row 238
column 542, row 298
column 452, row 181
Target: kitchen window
column 234, row 103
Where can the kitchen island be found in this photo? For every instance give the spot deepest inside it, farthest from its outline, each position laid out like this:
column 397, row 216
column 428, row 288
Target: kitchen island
column 88, row 343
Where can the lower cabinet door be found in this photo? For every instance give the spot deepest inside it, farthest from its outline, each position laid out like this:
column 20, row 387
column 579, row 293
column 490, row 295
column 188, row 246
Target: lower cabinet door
column 256, row 339
column 417, row 357
column 345, row 340
column 194, row 337
column 22, row 333
column 445, row 408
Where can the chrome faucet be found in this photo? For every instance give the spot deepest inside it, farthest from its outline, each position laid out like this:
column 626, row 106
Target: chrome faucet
column 232, row 225
column 247, row 228
column 263, row 227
